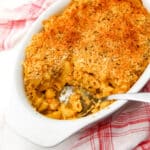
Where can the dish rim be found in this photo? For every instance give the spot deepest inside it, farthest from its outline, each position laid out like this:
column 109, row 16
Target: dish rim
column 35, row 121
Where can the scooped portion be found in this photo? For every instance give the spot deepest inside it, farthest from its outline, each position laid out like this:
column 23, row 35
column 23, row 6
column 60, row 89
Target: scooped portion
column 101, row 46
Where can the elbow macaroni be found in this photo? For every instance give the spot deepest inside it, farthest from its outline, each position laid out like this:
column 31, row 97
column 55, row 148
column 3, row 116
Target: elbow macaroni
column 102, row 47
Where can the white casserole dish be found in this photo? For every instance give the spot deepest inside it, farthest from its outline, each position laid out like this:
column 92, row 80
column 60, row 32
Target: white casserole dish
column 34, row 126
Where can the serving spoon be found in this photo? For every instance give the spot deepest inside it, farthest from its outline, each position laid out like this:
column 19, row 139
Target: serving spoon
column 94, row 102
column 140, row 97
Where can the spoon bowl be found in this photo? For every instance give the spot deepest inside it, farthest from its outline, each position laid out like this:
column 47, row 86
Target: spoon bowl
column 94, row 102
column 140, row 97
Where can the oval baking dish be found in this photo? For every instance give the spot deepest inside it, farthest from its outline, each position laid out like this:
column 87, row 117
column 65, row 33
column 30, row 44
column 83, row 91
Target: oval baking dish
column 35, row 127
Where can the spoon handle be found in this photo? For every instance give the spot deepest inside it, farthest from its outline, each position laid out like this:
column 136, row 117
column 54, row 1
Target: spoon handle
column 141, row 97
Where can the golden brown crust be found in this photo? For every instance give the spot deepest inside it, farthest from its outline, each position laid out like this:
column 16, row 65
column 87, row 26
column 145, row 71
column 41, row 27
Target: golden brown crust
column 107, row 43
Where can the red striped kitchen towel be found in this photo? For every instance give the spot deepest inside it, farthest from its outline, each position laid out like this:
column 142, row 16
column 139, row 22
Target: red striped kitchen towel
column 129, row 129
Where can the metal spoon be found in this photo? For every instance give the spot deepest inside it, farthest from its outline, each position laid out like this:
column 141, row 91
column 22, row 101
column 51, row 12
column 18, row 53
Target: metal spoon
column 140, row 97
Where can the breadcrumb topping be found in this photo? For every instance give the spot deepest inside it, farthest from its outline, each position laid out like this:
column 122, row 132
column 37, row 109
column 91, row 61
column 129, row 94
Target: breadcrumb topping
column 102, row 46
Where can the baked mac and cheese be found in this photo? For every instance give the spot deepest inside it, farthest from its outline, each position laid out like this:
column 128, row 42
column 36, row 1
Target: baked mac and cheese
column 101, row 46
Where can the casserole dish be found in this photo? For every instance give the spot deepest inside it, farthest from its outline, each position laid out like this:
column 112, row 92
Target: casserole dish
column 34, row 126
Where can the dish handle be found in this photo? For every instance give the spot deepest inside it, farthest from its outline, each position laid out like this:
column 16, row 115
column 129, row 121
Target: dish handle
column 7, row 67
